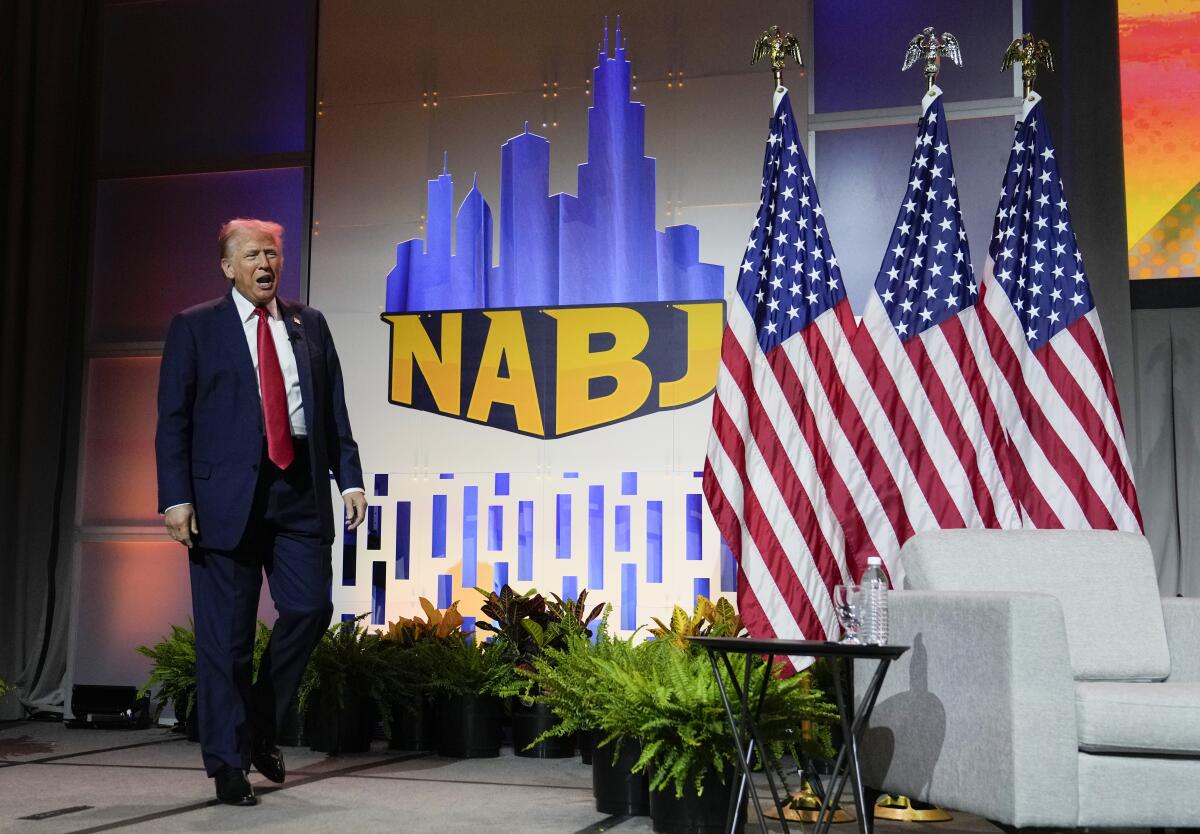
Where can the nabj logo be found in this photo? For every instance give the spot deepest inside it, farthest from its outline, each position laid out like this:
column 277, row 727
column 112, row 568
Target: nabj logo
column 590, row 314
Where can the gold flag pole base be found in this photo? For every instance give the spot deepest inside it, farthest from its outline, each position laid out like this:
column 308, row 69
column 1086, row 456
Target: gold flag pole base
column 804, row 806
column 902, row 809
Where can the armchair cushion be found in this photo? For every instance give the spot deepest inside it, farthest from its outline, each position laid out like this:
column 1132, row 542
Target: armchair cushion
column 1138, row 718
column 1104, row 580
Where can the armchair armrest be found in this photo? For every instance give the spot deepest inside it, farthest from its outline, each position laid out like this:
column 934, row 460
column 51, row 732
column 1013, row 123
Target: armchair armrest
column 1181, row 615
column 979, row 714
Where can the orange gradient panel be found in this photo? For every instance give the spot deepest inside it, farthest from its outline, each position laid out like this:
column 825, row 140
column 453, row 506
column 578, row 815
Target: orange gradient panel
column 1160, row 104
column 130, row 594
column 119, row 485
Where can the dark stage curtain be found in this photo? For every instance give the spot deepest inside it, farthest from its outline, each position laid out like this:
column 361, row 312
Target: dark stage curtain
column 46, row 105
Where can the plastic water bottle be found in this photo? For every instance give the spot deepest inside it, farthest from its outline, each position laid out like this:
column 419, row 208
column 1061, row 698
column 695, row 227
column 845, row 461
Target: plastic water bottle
column 875, row 614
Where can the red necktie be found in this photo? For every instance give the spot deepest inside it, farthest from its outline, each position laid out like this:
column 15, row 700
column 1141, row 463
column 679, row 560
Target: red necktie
column 274, row 397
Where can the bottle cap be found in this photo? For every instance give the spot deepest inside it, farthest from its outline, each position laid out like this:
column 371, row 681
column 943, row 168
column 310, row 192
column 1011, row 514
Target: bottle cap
column 874, row 560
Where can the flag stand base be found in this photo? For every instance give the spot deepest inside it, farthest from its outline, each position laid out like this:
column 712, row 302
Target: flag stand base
column 902, row 809
column 803, row 807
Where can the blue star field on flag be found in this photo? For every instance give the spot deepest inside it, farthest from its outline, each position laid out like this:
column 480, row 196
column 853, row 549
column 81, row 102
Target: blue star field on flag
column 1037, row 260
column 790, row 274
column 926, row 276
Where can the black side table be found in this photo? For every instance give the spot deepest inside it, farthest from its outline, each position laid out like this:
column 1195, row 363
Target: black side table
column 847, row 763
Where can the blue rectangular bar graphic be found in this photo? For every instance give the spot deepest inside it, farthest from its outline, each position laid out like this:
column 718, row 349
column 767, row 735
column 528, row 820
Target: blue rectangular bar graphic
column 501, row 487
column 525, row 541
column 596, row 536
column 621, row 533
column 403, row 538
column 439, row 527
column 570, row 474
column 654, row 541
column 728, row 569
column 470, row 540
column 629, row 483
column 446, row 476
column 468, row 626
column 349, row 557
column 500, row 574
column 381, row 484
column 495, row 527
column 629, row 596
column 695, row 519
column 700, row 588
column 570, row 589
column 374, row 527
column 562, row 527
column 445, row 589
column 699, row 473
column 347, row 617
column 378, row 593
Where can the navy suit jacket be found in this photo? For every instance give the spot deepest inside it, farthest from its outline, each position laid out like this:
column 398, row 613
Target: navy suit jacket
column 209, row 442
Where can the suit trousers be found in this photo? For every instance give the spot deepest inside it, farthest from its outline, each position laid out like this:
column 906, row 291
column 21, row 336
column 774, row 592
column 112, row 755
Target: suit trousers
column 283, row 539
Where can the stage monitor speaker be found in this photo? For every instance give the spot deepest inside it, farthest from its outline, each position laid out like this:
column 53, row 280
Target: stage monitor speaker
column 109, row 706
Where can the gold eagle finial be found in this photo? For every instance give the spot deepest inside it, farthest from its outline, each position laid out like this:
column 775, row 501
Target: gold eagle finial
column 779, row 47
column 1028, row 52
column 930, row 47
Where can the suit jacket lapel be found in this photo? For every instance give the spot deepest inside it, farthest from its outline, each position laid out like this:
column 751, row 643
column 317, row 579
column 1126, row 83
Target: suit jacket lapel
column 300, row 347
column 233, row 339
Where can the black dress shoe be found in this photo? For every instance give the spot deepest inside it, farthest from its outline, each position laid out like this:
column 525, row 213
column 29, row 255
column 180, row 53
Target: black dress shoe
column 233, row 788
column 269, row 762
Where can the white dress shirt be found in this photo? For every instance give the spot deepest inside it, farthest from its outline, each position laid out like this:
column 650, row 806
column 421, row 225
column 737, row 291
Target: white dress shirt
column 287, row 364
column 287, row 357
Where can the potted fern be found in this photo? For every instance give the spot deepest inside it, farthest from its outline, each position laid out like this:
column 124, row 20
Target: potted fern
column 413, row 721
column 464, row 676
column 350, row 680
column 530, row 627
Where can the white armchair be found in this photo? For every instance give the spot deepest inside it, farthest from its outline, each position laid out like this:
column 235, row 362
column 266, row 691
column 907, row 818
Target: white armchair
column 1048, row 685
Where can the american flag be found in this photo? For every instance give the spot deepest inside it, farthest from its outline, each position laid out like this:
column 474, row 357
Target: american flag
column 781, row 474
column 1055, row 390
column 939, row 451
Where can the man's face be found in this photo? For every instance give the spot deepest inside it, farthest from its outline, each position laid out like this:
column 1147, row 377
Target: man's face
column 254, row 266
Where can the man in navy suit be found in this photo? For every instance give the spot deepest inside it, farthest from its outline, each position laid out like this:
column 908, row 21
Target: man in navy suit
column 252, row 422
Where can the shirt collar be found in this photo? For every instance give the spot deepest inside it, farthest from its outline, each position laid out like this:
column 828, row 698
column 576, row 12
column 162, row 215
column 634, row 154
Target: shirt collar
column 246, row 309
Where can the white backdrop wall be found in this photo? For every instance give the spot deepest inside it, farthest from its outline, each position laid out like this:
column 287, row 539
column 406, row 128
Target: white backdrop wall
column 380, row 138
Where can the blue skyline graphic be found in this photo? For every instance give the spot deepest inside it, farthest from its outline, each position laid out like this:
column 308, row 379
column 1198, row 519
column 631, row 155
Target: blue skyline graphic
column 599, row 246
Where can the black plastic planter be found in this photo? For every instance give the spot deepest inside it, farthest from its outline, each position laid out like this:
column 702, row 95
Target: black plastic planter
column 586, row 744
column 617, row 790
column 414, row 726
column 529, row 722
column 344, row 730
column 692, row 814
column 469, row 727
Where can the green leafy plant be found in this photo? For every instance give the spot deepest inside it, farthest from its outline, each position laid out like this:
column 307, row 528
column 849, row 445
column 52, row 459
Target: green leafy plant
column 460, row 665
column 3, row 688
column 349, row 661
column 436, row 625
column 173, row 670
column 709, row 619
column 665, row 696
column 520, row 619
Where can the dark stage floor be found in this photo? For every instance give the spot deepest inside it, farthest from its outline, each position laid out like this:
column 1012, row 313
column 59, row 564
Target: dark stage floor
column 152, row 781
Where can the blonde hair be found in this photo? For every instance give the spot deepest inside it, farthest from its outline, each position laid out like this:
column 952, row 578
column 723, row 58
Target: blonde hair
column 233, row 228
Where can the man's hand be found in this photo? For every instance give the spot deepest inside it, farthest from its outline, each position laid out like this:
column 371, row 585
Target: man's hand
column 356, row 509
column 181, row 524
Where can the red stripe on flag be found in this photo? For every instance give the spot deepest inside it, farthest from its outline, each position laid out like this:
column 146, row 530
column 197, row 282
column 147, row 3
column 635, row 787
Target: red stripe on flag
column 951, row 423
column 880, row 378
column 1091, row 421
column 887, row 491
column 853, row 527
column 758, row 525
column 778, row 459
column 1089, row 343
column 1060, row 457
column 956, row 336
